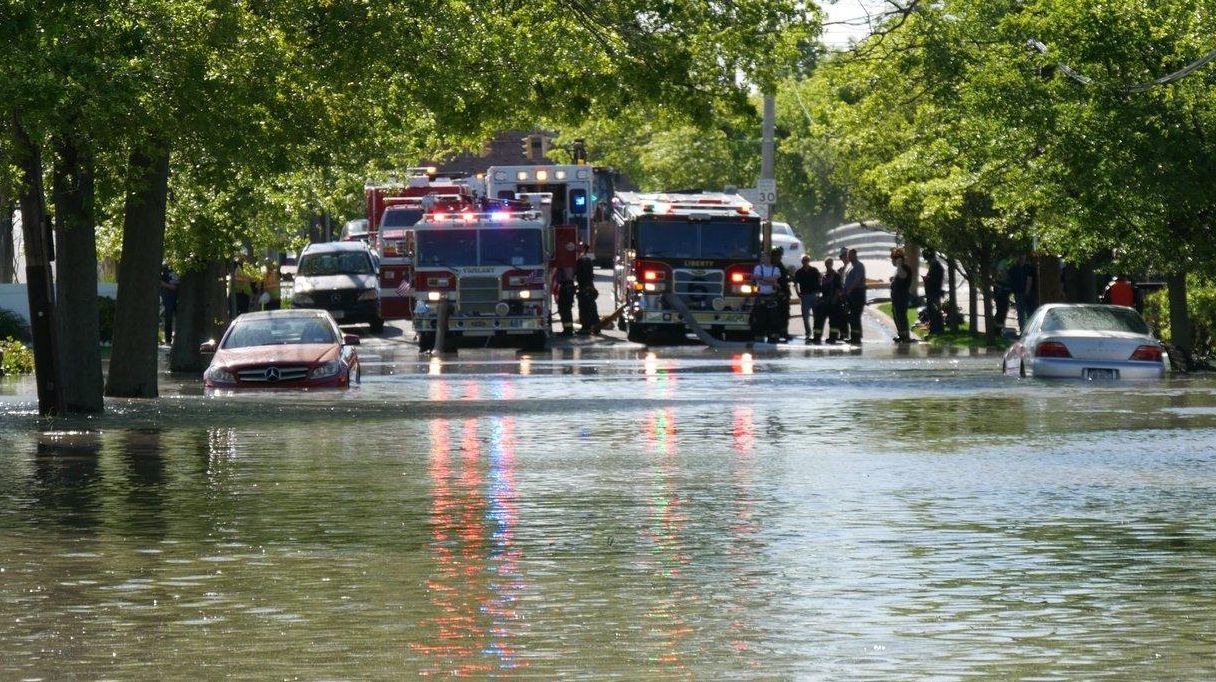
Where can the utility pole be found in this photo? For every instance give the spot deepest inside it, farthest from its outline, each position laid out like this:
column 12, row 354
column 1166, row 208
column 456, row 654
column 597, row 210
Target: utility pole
column 766, row 159
column 36, row 233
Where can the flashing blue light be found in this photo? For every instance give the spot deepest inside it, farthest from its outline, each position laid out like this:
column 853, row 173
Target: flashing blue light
column 578, row 202
column 500, row 216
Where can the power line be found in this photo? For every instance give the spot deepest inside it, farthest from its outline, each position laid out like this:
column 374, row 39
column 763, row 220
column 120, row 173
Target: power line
column 1081, row 78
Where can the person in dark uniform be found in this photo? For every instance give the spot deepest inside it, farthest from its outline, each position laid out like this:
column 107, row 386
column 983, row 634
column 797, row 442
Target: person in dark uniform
column 855, row 295
column 563, row 285
column 827, row 310
column 934, row 281
column 783, row 294
column 806, row 282
column 901, row 290
column 584, row 278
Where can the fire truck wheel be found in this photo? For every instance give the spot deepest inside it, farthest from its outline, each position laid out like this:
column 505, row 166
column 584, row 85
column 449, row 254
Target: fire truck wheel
column 621, row 324
column 426, row 341
column 377, row 325
column 535, row 342
column 637, row 333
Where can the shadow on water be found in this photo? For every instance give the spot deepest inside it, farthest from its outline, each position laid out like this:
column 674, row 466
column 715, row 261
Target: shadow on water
column 67, row 478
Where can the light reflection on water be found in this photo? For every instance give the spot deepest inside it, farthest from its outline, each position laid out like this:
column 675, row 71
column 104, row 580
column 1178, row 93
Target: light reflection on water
column 665, row 515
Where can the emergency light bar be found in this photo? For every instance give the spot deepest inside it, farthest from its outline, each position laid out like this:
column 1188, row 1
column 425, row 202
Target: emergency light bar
column 480, row 217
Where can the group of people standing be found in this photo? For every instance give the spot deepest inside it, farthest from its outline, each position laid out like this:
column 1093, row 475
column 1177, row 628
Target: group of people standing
column 831, row 300
column 573, row 283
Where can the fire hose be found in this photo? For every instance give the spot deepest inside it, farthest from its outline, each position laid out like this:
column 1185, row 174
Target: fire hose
column 709, row 339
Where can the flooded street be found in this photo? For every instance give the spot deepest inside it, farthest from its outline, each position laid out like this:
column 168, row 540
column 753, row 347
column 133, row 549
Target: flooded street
column 603, row 512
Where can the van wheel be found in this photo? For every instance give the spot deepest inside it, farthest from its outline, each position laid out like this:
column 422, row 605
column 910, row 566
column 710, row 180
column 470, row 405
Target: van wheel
column 377, row 325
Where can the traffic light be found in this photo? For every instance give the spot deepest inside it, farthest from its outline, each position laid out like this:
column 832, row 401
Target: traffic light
column 534, row 147
column 526, row 146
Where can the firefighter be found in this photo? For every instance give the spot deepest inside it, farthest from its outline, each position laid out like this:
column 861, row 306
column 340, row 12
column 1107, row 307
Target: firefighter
column 584, row 277
column 563, row 290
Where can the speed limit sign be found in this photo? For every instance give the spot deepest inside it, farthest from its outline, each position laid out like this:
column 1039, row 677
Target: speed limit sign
column 766, row 191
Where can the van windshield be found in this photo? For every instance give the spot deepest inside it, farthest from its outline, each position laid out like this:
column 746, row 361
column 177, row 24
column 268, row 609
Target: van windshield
column 335, row 263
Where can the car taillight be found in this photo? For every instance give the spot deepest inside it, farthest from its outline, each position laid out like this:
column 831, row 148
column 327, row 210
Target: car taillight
column 1147, row 354
column 1052, row 349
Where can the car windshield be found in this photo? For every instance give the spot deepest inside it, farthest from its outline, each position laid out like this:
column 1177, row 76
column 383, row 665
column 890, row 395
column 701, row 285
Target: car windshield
column 279, row 331
column 511, row 246
column 711, row 239
column 451, row 248
column 400, row 217
column 335, row 263
column 782, row 228
column 1098, row 319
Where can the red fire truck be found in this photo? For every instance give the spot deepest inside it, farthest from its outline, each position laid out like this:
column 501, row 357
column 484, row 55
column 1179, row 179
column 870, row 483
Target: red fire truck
column 392, row 208
column 489, row 262
column 698, row 246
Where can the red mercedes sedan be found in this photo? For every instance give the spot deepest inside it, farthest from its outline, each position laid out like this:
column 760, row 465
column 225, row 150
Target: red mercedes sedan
column 297, row 348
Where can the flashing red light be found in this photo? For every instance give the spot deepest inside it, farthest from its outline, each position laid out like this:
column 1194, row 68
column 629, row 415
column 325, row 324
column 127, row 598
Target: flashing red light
column 1147, row 354
column 441, row 216
column 1052, row 349
column 652, row 275
column 737, row 278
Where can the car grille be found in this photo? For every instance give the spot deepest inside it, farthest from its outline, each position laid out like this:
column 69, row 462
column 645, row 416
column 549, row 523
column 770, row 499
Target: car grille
column 272, row 373
column 335, row 299
column 479, row 295
column 698, row 288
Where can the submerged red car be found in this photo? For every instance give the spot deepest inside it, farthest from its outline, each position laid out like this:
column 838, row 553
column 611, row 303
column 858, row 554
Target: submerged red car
column 283, row 349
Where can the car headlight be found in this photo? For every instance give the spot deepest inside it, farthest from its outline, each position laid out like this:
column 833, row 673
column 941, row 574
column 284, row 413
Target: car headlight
column 369, row 295
column 301, row 299
column 326, row 370
column 220, row 375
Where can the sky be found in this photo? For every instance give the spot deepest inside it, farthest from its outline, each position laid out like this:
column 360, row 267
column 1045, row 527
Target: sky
column 845, row 19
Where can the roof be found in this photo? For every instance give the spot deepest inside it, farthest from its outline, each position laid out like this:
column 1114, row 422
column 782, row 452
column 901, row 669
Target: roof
column 682, row 203
column 323, row 247
column 283, row 312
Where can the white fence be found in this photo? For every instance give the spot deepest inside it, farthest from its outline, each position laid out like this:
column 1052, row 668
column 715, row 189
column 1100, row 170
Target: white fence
column 14, row 297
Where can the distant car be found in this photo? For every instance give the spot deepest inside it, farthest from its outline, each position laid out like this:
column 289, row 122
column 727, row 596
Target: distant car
column 283, row 349
column 355, row 230
column 792, row 247
column 343, row 278
column 1086, row 341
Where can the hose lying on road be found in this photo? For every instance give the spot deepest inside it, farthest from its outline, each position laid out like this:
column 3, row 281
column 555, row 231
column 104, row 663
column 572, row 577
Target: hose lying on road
column 707, row 338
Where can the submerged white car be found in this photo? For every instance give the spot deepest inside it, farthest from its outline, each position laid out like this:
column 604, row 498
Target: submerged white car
column 1086, row 341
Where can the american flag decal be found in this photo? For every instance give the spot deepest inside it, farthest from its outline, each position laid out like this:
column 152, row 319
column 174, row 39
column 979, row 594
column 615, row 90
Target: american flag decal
column 536, row 277
column 405, row 287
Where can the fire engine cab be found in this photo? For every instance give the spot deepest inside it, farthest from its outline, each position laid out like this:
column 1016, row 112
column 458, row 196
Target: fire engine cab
column 487, row 261
column 392, row 208
column 698, row 246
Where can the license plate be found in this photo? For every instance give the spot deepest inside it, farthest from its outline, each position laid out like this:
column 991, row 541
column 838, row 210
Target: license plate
column 477, row 324
column 1101, row 374
column 338, row 314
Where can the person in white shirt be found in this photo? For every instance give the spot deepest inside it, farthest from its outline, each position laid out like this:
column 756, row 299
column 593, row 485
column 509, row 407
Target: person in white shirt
column 765, row 275
column 764, row 312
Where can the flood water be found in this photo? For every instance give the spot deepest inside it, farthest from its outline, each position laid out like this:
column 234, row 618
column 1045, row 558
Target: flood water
column 597, row 513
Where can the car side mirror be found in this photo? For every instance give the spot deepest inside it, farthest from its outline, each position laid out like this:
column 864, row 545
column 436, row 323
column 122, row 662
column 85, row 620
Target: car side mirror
column 351, row 339
column 207, row 346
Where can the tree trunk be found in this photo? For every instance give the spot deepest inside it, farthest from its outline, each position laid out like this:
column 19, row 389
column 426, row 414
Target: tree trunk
column 76, row 238
column 133, row 362
column 198, row 308
column 40, row 285
column 8, row 255
column 951, row 295
column 1180, row 317
column 973, row 309
column 991, row 328
column 912, row 260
